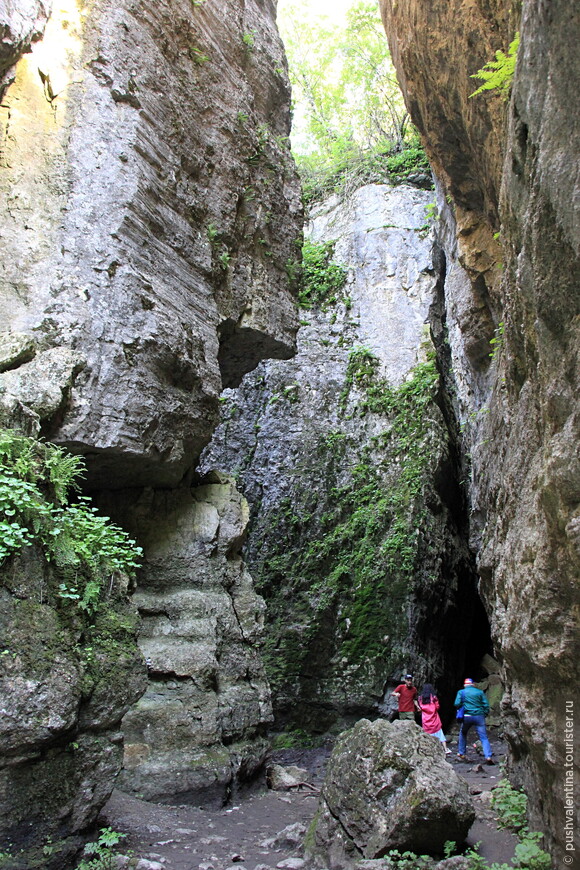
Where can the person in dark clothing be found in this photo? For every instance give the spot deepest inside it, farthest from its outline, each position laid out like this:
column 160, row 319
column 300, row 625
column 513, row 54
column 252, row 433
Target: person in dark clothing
column 476, row 707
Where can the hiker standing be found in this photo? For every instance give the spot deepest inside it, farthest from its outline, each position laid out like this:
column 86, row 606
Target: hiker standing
column 429, row 705
column 406, row 694
column 476, row 707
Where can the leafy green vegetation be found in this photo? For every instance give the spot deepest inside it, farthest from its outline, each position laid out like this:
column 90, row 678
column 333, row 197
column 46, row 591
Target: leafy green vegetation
column 497, row 341
column 347, row 166
column 351, row 126
column 85, row 548
column 197, row 55
column 322, row 280
column 295, row 739
column 100, row 854
column 498, row 74
column 342, row 77
column 249, row 40
column 510, row 805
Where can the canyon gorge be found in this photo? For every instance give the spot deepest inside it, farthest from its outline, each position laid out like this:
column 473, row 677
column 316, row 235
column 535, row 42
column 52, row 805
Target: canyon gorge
column 326, row 492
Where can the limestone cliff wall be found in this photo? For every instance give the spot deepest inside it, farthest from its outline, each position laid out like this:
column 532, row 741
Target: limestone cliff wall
column 152, row 207
column 199, row 729
column 356, row 538
column 520, row 405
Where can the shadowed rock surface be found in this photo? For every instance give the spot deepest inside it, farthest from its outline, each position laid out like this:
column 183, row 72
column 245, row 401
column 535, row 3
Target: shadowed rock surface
column 66, row 680
column 518, row 406
column 199, row 730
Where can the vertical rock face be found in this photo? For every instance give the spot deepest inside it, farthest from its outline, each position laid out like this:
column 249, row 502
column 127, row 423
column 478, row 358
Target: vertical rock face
column 152, row 210
column 525, row 482
column 152, row 207
column 199, row 728
column 65, row 683
column 344, row 454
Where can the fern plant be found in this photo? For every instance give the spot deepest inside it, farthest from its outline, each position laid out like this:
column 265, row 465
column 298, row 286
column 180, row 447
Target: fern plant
column 498, row 74
column 84, row 547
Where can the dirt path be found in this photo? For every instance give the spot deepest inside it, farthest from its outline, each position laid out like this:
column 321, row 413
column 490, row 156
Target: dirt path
column 247, row 834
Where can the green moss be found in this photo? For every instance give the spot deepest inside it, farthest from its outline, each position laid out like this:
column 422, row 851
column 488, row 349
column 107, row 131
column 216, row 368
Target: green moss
column 347, row 550
column 310, row 838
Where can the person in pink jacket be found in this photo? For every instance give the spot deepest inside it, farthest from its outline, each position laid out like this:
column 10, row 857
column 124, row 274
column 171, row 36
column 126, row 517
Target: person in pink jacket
column 429, row 705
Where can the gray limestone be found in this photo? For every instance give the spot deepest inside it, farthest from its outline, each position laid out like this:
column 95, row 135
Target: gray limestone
column 294, row 434
column 387, row 786
column 199, row 728
column 153, row 206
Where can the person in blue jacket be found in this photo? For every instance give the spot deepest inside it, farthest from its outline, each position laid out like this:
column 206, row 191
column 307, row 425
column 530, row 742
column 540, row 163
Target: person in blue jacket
column 476, row 708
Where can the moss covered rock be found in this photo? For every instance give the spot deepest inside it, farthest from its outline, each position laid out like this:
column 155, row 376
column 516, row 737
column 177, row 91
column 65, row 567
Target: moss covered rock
column 387, row 786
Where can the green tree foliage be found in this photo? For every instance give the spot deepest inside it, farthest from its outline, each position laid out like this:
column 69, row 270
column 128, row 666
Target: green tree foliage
column 343, row 79
column 349, row 113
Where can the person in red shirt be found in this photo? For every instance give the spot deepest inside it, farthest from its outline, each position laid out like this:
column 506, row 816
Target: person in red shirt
column 429, row 705
column 406, row 694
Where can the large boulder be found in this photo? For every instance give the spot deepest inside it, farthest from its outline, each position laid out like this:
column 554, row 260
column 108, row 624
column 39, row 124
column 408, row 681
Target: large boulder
column 387, row 786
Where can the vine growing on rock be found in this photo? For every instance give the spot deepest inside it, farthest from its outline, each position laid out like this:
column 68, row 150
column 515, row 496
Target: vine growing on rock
column 323, row 281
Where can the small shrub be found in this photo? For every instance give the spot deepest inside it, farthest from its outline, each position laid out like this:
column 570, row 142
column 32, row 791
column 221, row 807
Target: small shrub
column 102, row 851
column 348, row 167
column 408, row 161
column 322, row 280
column 224, row 260
column 249, row 40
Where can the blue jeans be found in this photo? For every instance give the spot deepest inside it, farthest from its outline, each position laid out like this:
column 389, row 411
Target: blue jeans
column 479, row 722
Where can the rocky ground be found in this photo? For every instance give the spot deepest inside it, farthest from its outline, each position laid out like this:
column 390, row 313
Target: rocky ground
column 264, row 829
